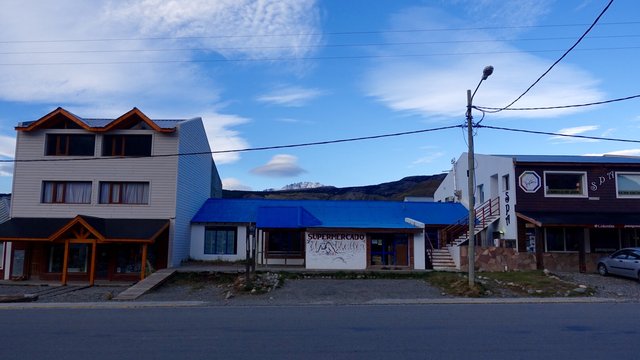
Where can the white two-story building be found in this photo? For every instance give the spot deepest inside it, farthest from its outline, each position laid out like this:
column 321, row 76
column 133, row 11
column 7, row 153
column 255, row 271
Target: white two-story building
column 104, row 198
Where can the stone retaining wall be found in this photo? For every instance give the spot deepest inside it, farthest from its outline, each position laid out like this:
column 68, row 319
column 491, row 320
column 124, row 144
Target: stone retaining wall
column 506, row 259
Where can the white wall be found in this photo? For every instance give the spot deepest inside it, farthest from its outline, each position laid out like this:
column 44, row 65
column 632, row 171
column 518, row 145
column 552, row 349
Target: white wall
column 330, row 251
column 197, row 245
column 158, row 171
column 419, row 260
column 485, row 167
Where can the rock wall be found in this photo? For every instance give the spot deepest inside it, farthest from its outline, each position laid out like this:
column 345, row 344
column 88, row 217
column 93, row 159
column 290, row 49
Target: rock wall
column 507, row 259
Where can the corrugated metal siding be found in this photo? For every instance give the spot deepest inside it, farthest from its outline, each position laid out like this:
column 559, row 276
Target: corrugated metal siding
column 193, row 185
column 160, row 172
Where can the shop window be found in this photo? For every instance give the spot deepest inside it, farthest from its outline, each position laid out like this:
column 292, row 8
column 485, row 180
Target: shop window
column 628, row 184
column 66, row 192
column 220, row 241
column 124, row 193
column 563, row 239
column 630, row 238
column 78, row 258
column 126, row 145
column 604, row 240
column 128, row 259
column 389, row 250
column 285, row 243
column 70, row 144
column 565, row 183
column 56, row 258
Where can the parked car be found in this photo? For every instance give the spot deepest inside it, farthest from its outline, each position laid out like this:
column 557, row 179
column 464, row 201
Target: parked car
column 624, row 262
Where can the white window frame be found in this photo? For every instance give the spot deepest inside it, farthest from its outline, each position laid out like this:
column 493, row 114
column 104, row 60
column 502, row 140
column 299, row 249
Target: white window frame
column 618, row 193
column 585, row 188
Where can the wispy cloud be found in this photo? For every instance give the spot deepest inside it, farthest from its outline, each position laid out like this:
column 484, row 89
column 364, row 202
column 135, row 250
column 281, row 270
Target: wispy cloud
column 433, row 85
column 290, row 96
column 282, row 165
column 100, row 80
column 234, row 184
column 628, row 152
column 578, row 130
column 7, row 146
column 429, row 158
column 6, row 169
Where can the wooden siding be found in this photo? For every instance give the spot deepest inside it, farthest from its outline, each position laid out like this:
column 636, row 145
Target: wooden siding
column 193, row 184
column 601, row 190
column 160, row 172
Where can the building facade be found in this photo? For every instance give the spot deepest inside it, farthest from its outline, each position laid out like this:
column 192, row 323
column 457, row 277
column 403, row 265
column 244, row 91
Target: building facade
column 321, row 234
column 104, row 198
column 563, row 211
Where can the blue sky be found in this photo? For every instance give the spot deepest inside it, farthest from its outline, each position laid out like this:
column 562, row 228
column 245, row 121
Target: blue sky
column 264, row 73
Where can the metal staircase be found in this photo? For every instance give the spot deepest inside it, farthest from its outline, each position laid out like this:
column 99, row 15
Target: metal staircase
column 486, row 214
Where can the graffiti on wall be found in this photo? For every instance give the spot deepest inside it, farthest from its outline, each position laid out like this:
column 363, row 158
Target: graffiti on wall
column 336, row 251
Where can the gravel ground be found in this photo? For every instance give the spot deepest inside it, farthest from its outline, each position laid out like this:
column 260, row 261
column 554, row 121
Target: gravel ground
column 307, row 291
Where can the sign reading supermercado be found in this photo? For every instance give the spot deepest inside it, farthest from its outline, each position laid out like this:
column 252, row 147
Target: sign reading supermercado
column 336, row 251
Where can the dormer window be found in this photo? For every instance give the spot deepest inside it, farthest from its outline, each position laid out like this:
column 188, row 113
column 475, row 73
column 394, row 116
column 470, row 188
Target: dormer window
column 70, row 144
column 126, row 145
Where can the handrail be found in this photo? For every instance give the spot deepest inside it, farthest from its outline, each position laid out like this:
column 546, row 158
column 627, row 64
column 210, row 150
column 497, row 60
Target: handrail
column 483, row 212
column 427, row 239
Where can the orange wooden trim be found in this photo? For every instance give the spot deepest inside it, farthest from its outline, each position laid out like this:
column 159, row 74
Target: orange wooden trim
column 141, row 115
column 43, row 120
column 141, row 241
column 65, row 263
column 77, row 220
column 22, row 239
column 528, row 219
column 92, row 271
column 159, row 232
column 144, row 262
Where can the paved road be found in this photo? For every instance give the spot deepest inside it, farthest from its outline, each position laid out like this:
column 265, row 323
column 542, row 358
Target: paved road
column 498, row 331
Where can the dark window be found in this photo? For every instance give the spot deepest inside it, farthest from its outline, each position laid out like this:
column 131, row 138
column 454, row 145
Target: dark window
column 220, row 241
column 128, row 259
column 126, row 145
column 66, row 192
column 70, row 144
column 564, row 239
column 124, row 193
column 564, row 183
column 285, row 243
column 390, row 249
column 604, row 240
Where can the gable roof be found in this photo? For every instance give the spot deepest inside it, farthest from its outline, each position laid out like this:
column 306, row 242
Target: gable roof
column 127, row 119
column 270, row 213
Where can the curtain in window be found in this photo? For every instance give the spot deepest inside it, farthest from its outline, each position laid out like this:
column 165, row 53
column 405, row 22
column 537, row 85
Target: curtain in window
column 77, row 193
column 135, row 193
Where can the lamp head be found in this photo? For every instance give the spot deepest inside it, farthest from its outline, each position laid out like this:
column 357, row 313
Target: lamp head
column 488, row 70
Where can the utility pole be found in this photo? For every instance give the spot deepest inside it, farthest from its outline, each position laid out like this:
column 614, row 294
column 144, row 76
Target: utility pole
column 472, row 198
column 471, row 174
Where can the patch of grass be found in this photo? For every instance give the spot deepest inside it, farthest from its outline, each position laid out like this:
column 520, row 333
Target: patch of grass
column 534, row 283
column 456, row 284
column 199, row 280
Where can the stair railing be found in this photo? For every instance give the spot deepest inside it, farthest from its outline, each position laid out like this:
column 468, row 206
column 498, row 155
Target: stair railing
column 485, row 213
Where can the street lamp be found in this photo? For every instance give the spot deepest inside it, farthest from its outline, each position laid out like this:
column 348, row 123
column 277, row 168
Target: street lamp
column 488, row 70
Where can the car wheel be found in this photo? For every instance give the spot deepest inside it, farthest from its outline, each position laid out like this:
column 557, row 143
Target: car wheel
column 602, row 269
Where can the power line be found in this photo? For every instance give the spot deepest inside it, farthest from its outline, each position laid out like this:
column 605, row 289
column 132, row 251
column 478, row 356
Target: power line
column 485, row 109
column 326, row 142
column 559, row 59
column 347, row 45
column 337, row 57
column 364, row 32
column 557, row 134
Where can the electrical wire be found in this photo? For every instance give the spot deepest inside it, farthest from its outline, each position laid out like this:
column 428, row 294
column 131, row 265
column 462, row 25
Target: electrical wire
column 365, row 32
column 558, row 134
column 242, row 150
column 559, row 59
column 488, row 109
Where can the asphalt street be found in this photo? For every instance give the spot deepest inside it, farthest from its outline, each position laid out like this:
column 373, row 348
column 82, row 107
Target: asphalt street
column 483, row 331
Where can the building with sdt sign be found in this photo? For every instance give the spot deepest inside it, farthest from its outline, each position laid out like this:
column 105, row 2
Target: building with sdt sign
column 321, row 234
column 545, row 211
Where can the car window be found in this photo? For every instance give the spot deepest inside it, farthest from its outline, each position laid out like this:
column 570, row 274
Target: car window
column 634, row 256
column 621, row 255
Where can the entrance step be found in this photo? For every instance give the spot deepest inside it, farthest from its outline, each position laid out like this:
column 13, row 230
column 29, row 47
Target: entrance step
column 441, row 260
column 146, row 285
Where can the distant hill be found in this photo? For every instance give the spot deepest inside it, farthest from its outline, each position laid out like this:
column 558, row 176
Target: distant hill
column 412, row 186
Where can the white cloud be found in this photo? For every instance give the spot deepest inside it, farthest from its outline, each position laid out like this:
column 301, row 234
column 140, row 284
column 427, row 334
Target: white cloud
column 222, row 137
column 7, row 146
column 427, row 159
column 290, row 96
column 434, row 86
column 167, row 82
column 6, row 169
column 628, row 152
column 578, row 130
column 234, row 184
column 280, row 166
